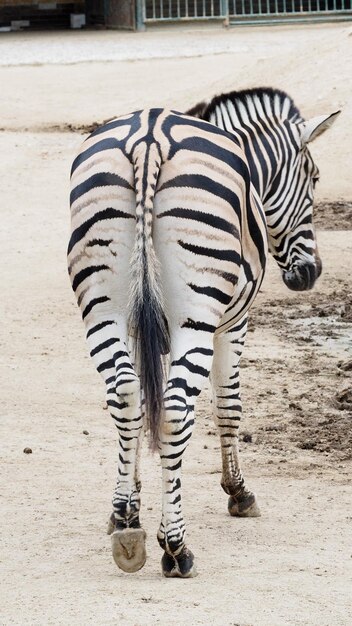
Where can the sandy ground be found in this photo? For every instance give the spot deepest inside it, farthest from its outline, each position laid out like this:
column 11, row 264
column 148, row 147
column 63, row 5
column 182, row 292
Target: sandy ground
column 293, row 565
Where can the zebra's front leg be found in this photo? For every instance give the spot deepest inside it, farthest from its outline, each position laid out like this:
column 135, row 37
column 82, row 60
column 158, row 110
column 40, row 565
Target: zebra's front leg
column 189, row 370
column 227, row 409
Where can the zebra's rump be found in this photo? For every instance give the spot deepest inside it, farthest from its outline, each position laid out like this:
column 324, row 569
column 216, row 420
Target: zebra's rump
column 200, row 209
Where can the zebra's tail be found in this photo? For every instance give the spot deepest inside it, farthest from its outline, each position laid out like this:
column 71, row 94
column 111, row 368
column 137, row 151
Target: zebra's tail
column 147, row 320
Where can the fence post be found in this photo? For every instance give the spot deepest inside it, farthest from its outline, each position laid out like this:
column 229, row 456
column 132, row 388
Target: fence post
column 140, row 25
column 225, row 11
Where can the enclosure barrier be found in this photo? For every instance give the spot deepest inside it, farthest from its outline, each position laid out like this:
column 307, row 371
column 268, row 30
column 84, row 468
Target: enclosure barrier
column 241, row 11
column 137, row 14
column 271, row 11
column 155, row 11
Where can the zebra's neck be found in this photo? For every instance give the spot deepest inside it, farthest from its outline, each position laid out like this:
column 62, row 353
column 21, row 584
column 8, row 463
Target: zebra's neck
column 264, row 121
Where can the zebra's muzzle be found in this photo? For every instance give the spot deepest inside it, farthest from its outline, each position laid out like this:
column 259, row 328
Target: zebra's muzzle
column 301, row 277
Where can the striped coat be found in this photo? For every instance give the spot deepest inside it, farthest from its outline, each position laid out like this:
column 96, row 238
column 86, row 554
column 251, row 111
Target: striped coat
column 167, row 252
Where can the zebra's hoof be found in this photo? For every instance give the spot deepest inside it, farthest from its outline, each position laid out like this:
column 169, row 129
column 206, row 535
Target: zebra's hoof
column 181, row 566
column 244, row 507
column 128, row 548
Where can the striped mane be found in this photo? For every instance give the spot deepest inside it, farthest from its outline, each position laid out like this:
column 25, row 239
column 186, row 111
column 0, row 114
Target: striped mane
column 273, row 102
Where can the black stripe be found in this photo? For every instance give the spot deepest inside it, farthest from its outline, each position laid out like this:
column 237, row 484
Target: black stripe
column 124, row 461
column 106, row 365
column 172, row 468
column 116, row 124
column 205, row 351
column 230, row 278
column 238, row 328
column 179, row 120
column 244, row 306
column 199, row 181
column 127, row 429
column 103, row 179
column 86, row 272
column 210, row 147
column 119, row 405
column 286, row 244
column 174, row 407
column 124, row 420
column 92, row 304
column 177, row 485
column 232, row 396
column 175, row 455
column 254, row 227
column 223, row 255
column 208, row 328
column 181, row 442
column 98, row 327
column 181, row 383
column 212, row 292
column 123, row 381
column 105, row 144
column 176, row 397
column 124, row 364
column 206, row 218
column 102, row 346
column 106, row 214
column 176, row 500
column 192, row 367
column 233, row 407
column 99, row 242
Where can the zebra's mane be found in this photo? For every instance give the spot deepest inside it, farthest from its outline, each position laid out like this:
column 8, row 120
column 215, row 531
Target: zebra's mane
column 272, row 101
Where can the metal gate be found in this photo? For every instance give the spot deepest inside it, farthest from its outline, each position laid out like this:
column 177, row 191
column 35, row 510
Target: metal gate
column 241, row 11
column 156, row 11
column 271, row 11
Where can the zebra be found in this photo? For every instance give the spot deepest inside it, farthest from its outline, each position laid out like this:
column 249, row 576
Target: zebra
column 167, row 252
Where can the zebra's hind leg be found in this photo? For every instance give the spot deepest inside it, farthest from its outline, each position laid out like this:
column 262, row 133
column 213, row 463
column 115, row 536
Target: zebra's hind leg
column 190, row 365
column 127, row 536
column 227, row 409
column 108, row 346
column 111, row 523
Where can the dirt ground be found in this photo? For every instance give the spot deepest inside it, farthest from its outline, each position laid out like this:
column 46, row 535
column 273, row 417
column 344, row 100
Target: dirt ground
column 292, row 566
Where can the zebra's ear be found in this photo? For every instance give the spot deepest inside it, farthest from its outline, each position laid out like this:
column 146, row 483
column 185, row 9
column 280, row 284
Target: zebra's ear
column 311, row 129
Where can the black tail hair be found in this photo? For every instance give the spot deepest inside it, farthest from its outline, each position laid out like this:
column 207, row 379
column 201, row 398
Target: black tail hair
column 153, row 341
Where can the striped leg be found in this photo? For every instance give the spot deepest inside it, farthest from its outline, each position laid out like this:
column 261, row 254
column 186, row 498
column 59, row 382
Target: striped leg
column 227, row 414
column 191, row 356
column 108, row 347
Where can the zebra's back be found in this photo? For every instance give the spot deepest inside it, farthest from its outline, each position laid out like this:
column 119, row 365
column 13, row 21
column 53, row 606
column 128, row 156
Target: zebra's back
column 201, row 184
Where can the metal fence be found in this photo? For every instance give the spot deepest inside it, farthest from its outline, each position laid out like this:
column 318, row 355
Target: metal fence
column 241, row 11
column 176, row 10
column 269, row 11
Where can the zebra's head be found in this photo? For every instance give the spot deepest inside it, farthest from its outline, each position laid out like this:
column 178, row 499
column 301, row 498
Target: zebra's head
column 288, row 204
column 275, row 139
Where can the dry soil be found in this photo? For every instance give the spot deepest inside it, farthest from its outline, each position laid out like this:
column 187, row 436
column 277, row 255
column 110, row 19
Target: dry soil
column 292, row 566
